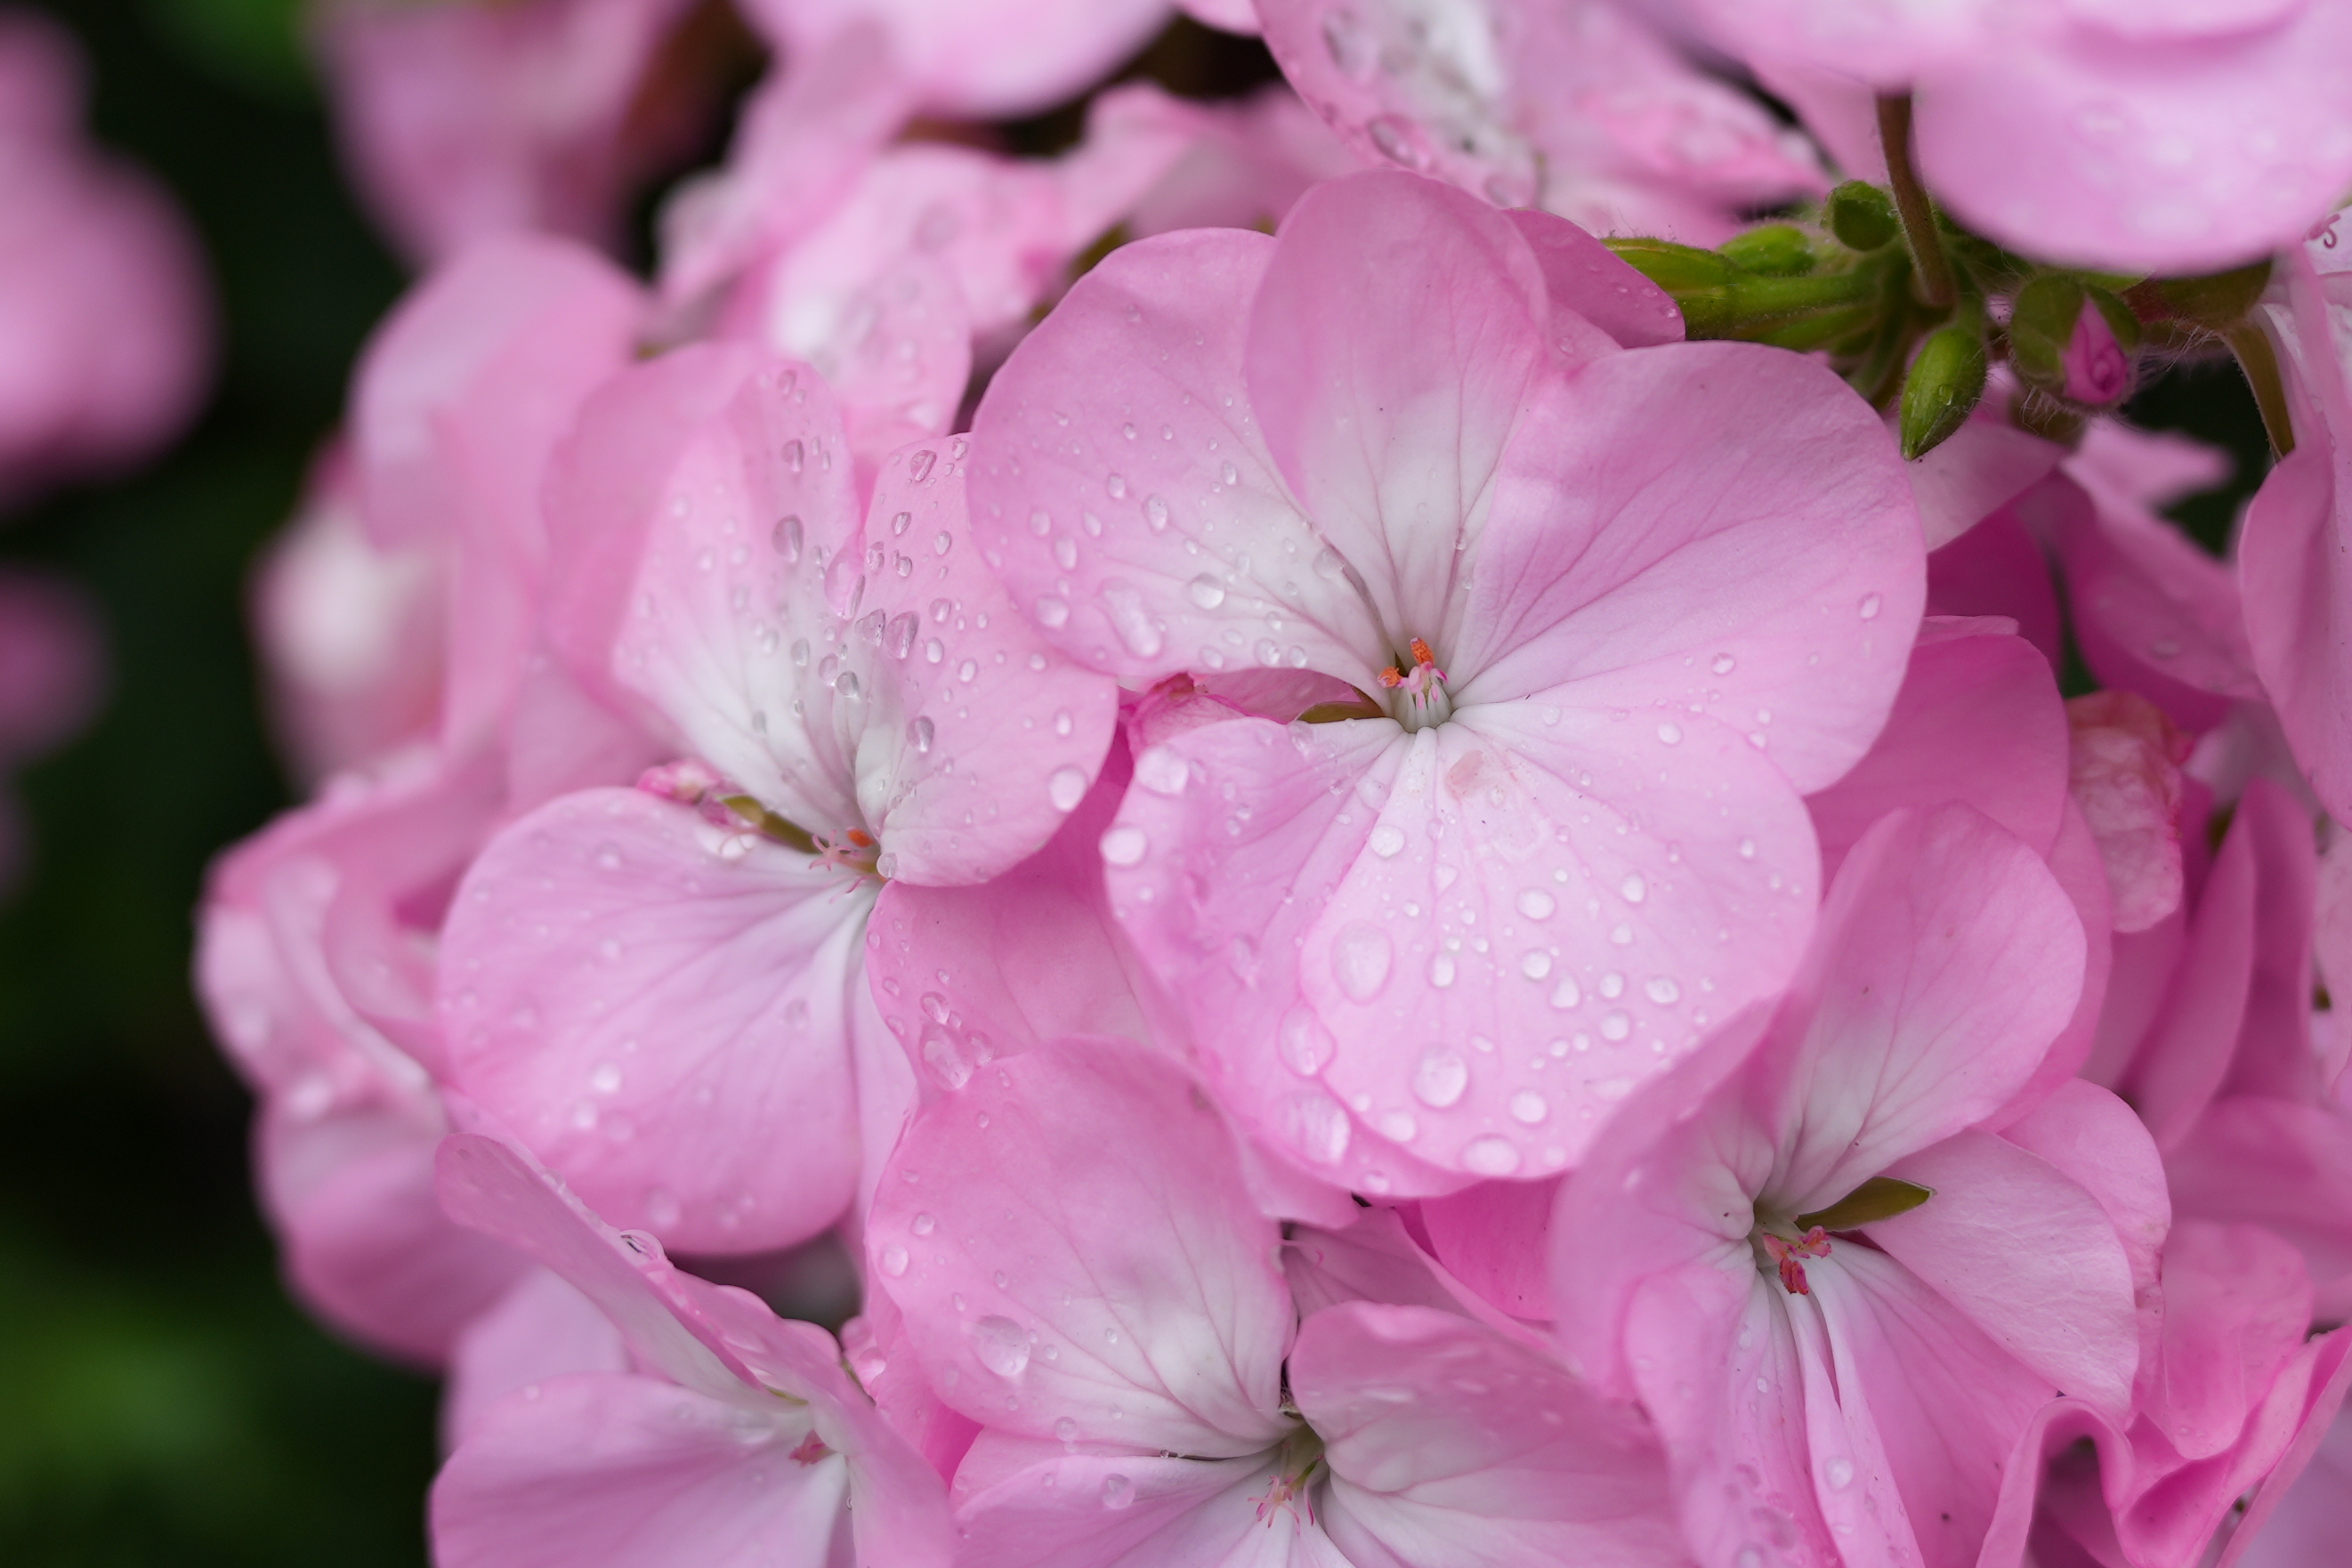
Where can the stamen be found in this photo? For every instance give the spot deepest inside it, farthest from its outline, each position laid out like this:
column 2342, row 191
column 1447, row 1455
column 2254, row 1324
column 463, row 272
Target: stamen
column 1424, row 701
column 811, row 1450
column 1299, row 1464
column 1814, row 1243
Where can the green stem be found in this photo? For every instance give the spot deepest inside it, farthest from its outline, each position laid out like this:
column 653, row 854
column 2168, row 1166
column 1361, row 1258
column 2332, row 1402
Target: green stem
column 2259, row 359
column 1936, row 283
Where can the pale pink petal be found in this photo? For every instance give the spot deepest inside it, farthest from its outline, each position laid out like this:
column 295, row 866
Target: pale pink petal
column 1591, row 287
column 1139, row 1510
column 1450, row 1444
column 2026, row 1255
column 1392, row 344
column 1231, row 15
column 1772, row 584
column 1495, row 1238
column 2125, row 775
column 2152, row 468
column 1374, row 857
column 641, row 995
column 1880, row 41
column 2237, row 1305
column 2274, row 1054
column 542, row 1328
column 1576, row 108
column 1946, row 960
column 616, row 1470
column 2298, row 1516
column 1978, row 720
column 980, row 61
column 349, row 1194
column 2284, row 1166
column 460, row 400
column 1975, row 473
column 1250, row 160
column 1072, row 1265
column 2093, row 1139
column 1376, row 1255
column 1180, row 565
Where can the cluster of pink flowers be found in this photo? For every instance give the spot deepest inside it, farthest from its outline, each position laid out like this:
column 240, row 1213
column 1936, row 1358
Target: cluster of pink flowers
column 1353, row 878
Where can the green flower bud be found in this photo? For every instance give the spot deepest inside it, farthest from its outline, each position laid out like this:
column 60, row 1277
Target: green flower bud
column 1946, row 381
column 1774, row 250
column 1863, row 216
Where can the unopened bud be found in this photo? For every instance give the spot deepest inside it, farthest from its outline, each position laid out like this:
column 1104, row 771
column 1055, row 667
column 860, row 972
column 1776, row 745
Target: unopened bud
column 1942, row 390
column 1774, row 250
column 1863, row 216
column 2072, row 340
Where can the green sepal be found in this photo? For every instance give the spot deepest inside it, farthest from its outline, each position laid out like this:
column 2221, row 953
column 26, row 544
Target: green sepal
column 1674, row 267
column 2042, row 323
column 1774, row 250
column 1946, row 381
column 1863, row 216
column 1881, row 1197
column 767, row 825
column 2217, row 300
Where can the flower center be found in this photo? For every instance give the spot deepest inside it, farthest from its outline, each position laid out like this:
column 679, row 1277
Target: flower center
column 1789, row 1256
column 1785, row 1241
column 725, row 805
column 1298, row 1465
column 1417, row 697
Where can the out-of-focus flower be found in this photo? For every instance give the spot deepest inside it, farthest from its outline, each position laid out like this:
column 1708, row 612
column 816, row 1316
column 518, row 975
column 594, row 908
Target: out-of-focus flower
column 52, row 677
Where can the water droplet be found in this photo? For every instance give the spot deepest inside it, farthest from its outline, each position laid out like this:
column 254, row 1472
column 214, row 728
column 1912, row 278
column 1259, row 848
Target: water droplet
column 1633, row 890
column 967, row 671
column 1124, row 846
column 1535, row 965
column 1155, row 513
column 1748, row 849
column 1041, row 522
column 1723, row 664
column 1306, row 1047
column 1837, row 1472
column 1490, row 1156
column 918, row 466
column 1130, row 619
column 1116, row 486
column 605, row 1080
column 1616, row 1027
column 1053, row 613
column 1387, row 840
column 1870, row 605
column 1067, row 788
column 1361, row 957
column 1661, row 990
column 1162, row 771
column 1442, row 969
column 1118, row 1491
column 1440, row 1078
column 923, row 1225
column 1207, row 591
column 1319, row 1127
column 1536, row 904
column 786, row 537
column 1066, row 1429
column 1001, row 1347
column 1528, row 1106
column 1565, row 994
column 1671, row 734
column 894, row 1260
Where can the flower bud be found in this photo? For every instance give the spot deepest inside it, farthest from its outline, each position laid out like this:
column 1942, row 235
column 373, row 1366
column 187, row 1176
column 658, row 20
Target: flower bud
column 1944, row 382
column 1773, row 251
column 1863, row 216
column 2072, row 340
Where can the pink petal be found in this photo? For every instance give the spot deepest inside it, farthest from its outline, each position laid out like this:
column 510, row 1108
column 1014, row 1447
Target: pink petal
column 1978, row 720
column 2027, row 1256
column 1972, row 477
column 1711, row 529
column 1478, row 1063
column 1496, row 1238
column 2093, row 1140
column 459, row 402
column 1139, row 1510
column 2237, row 1304
column 1946, row 960
column 628, row 984
column 1446, row 1442
column 1151, row 342
column 541, row 1328
column 1586, row 281
column 1113, row 1279
column 2298, row 1515
column 2275, row 1053
column 2284, row 1166
column 1391, row 346
column 1997, row 569
column 1371, row 1255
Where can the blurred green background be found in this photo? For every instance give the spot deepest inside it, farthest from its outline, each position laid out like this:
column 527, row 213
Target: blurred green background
column 161, row 1402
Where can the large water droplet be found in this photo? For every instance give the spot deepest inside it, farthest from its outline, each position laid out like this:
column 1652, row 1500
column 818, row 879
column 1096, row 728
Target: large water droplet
column 1319, row 1127
column 1633, row 890
column 1118, row 1491
column 1535, row 965
column 786, row 536
column 1124, row 845
column 1870, row 604
column 1490, row 1156
column 1440, row 1079
column 1067, row 788
column 1361, row 957
column 1528, row 1106
column 1162, row 771
column 1207, row 591
column 894, row 1260
column 1306, row 1047
column 1387, row 840
column 1001, row 1347
column 1130, row 619
column 1442, row 969
column 1839, row 1472
column 1536, row 904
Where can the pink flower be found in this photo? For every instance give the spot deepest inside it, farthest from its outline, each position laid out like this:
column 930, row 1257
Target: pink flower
column 1660, row 592
column 104, row 305
column 736, row 1432
column 53, row 678
column 1084, row 1274
column 1575, row 107
column 2142, row 135
column 1849, row 1390
column 979, row 59
column 469, row 121
column 642, row 982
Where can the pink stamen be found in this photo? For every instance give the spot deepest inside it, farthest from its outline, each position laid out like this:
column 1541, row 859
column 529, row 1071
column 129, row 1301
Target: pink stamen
column 1814, row 1243
column 811, row 1450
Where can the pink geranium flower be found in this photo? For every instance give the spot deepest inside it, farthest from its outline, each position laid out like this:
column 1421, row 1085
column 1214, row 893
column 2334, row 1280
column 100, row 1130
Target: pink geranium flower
column 1589, row 619
column 1085, row 1274
column 1573, row 106
column 642, row 982
column 2149, row 135
column 1842, row 1301
column 735, row 1436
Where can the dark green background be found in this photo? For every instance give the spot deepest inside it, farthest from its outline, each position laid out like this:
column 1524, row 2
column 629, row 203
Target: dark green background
column 161, row 1403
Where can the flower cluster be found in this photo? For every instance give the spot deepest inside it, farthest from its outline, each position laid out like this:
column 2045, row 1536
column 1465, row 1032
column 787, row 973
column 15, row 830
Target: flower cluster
column 1231, row 849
